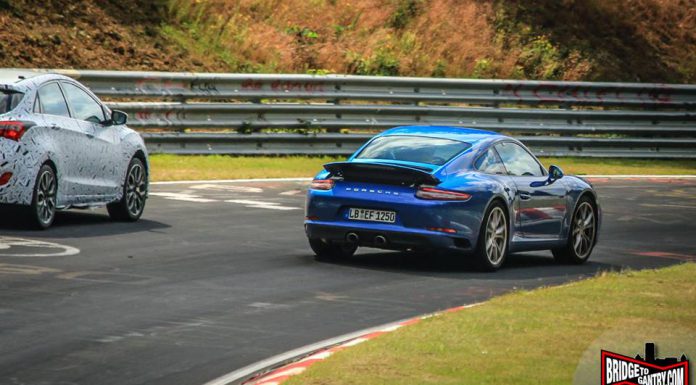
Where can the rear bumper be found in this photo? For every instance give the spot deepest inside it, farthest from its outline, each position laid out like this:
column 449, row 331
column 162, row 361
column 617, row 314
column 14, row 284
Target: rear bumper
column 19, row 189
column 396, row 238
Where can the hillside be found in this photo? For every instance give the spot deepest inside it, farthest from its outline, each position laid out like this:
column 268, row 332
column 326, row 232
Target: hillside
column 109, row 34
column 631, row 40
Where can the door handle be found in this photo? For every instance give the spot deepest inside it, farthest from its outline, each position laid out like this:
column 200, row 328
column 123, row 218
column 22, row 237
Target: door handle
column 525, row 196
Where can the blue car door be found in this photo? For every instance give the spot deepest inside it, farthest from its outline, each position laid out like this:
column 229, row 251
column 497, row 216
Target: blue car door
column 540, row 207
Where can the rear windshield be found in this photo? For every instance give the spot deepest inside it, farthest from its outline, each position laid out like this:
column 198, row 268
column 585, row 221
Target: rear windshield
column 419, row 149
column 9, row 100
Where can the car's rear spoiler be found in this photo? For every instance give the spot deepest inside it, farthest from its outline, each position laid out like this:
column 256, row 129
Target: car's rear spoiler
column 380, row 173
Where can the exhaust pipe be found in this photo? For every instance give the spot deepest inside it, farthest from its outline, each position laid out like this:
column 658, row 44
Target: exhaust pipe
column 380, row 240
column 352, row 238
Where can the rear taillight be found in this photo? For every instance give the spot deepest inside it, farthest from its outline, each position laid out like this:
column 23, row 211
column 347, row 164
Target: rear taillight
column 322, row 184
column 14, row 130
column 4, row 178
column 432, row 193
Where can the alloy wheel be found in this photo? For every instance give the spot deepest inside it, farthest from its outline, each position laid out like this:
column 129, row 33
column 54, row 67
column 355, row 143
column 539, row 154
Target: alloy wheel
column 496, row 236
column 46, row 197
column 583, row 230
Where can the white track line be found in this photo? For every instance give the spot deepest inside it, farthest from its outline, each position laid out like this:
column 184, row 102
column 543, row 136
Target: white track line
column 233, row 181
column 182, row 197
column 254, row 204
column 220, row 187
column 49, row 249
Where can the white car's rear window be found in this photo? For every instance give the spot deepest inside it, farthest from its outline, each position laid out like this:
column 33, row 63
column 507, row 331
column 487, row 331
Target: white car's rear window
column 9, row 100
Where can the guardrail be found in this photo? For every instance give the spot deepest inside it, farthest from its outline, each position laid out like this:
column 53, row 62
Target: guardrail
column 342, row 144
column 283, row 115
column 554, row 118
column 346, row 87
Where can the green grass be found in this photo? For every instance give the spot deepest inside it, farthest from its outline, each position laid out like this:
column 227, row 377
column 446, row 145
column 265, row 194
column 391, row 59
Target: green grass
column 190, row 167
column 194, row 167
column 544, row 336
column 605, row 166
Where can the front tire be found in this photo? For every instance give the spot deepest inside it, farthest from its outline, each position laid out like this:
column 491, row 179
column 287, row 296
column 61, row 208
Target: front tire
column 325, row 250
column 42, row 211
column 132, row 204
column 492, row 246
column 583, row 232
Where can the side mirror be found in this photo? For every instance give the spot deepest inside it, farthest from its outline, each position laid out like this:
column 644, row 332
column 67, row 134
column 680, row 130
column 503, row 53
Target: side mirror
column 118, row 117
column 555, row 173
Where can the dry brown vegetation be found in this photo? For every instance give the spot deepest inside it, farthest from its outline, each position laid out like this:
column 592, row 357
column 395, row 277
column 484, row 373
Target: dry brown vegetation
column 632, row 40
column 91, row 34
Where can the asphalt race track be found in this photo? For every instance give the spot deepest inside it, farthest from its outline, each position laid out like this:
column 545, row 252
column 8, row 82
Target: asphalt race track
column 218, row 276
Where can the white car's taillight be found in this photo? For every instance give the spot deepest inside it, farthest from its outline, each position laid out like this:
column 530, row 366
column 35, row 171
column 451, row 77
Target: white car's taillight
column 13, row 130
column 322, row 184
column 433, row 193
column 5, row 178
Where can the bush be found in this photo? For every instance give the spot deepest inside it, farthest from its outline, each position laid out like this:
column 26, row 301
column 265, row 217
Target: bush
column 405, row 11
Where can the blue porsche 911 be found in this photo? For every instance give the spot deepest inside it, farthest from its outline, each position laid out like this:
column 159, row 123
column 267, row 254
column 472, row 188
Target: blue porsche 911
column 447, row 188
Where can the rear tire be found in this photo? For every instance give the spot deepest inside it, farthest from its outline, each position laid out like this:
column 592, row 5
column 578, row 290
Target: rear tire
column 42, row 211
column 492, row 246
column 325, row 250
column 582, row 235
column 132, row 204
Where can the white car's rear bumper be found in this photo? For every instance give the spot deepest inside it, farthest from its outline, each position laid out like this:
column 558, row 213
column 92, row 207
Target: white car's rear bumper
column 15, row 159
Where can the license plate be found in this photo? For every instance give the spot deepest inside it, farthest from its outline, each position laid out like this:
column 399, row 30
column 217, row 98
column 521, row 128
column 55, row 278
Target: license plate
column 372, row 215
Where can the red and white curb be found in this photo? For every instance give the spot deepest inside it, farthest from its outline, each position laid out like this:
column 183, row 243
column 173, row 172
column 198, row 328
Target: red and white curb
column 278, row 369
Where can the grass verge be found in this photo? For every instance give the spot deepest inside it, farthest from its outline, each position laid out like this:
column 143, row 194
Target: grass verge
column 545, row 336
column 193, row 167
column 609, row 166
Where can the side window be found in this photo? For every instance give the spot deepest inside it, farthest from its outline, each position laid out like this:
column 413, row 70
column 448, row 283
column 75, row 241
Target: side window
column 489, row 163
column 517, row 160
column 84, row 106
column 52, row 100
column 9, row 100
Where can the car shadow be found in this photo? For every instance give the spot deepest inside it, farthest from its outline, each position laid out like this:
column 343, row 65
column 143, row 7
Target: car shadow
column 520, row 266
column 74, row 224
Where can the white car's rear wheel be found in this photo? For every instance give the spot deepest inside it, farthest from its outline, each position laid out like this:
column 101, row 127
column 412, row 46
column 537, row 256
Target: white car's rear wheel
column 43, row 204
